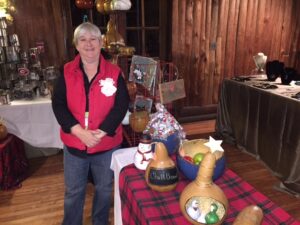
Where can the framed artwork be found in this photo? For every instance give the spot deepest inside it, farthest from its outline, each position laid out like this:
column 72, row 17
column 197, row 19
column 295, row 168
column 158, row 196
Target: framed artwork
column 143, row 70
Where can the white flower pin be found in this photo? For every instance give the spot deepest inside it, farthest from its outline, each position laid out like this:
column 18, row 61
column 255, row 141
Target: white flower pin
column 107, row 86
column 214, row 145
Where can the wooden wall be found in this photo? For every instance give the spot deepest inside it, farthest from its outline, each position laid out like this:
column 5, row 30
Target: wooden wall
column 48, row 21
column 215, row 39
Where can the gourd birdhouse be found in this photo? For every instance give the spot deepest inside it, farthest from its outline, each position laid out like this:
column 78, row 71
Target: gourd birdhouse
column 202, row 201
column 161, row 173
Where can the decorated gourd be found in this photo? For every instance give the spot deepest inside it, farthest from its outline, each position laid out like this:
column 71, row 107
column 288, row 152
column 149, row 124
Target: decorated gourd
column 161, row 173
column 138, row 120
column 251, row 215
column 108, row 6
column 202, row 201
column 100, row 6
column 132, row 89
column 84, row 4
column 112, row 36
column 3, row 130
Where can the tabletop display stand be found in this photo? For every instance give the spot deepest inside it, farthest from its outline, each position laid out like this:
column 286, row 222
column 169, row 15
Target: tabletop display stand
column 143, row 92
column 21, row 72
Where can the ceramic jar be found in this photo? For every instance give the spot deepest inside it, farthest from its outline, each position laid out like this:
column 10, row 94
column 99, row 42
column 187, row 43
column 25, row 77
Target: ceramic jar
column 161, row 173
column 138, row 120
column 202, row 201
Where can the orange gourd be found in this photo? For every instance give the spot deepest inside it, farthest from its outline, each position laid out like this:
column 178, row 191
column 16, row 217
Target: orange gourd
column 84, row 4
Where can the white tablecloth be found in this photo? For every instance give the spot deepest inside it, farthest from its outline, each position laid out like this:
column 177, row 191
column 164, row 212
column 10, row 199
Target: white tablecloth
column 33, row 121
column 120, row 158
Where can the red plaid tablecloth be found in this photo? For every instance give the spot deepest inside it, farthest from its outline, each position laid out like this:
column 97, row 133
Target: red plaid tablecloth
column 142, row 205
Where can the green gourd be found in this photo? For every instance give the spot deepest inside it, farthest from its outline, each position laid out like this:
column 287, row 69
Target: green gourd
column 212, row 217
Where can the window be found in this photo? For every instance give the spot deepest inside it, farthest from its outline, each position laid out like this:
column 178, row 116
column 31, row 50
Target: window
column 146, row 26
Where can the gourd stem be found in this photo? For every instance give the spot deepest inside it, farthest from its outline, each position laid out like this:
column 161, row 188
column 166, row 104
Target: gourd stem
column 206, row 170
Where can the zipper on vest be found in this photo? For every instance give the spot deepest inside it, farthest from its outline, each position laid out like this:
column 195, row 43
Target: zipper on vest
column 86, row 120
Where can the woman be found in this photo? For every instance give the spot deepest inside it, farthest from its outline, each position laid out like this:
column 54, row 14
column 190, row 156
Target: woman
column 89, row 102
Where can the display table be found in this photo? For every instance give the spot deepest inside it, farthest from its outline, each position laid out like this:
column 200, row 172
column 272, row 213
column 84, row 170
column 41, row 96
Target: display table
column 141, row 205
column 264, row 123
column 33, row 121
column 120, row 158
column 13, row 162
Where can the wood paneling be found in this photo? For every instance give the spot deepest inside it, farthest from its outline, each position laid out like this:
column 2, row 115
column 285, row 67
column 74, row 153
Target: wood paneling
column 218, row 38
column 48, row 21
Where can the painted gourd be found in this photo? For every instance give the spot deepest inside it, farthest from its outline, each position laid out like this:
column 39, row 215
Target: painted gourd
column 161, row 173
column 84, row 4
column 251, row 215
column 100, row 6
column 138, row 120
column 202, row 201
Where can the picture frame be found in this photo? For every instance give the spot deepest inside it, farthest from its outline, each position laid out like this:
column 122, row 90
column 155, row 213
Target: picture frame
column 143, row 70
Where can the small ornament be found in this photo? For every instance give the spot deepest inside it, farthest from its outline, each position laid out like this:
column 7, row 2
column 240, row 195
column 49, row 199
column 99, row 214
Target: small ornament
column 144, row 152
column 204, row 197
column 214, row 145
column 212, row 217
column 161, row 173
column 251, row 215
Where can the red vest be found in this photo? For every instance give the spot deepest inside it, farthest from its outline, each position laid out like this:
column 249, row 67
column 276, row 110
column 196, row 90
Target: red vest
column 99, row 103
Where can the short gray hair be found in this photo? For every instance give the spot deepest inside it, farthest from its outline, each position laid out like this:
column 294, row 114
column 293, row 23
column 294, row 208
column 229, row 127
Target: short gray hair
column 86, row 27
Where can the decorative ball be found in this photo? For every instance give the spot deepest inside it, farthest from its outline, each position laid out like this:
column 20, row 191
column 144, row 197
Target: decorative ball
column 138, row 120
column 187, row 155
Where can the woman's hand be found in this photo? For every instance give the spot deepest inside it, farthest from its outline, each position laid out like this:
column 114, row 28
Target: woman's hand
column 89, row 137
column 99, row 133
